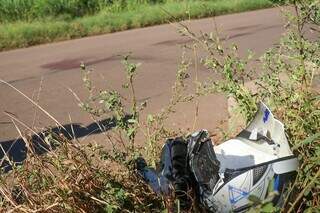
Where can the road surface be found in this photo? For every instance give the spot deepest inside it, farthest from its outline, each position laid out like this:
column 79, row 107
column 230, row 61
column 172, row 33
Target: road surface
column 158, row 48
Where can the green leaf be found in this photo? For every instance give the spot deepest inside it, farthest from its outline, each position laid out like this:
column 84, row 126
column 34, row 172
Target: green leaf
column 268, row 208
column 308, row 140
column 308, row 190
column 132, row 121
column 150, row 118
column 254, row 199
column 271, row 185
column 130, row 132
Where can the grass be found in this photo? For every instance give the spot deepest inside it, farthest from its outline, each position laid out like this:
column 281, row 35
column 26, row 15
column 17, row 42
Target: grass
column 23, row 33
column 25, row 10
column 73, row 177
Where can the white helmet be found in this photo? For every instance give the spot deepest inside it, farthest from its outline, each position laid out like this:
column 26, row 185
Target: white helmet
column 227, row 174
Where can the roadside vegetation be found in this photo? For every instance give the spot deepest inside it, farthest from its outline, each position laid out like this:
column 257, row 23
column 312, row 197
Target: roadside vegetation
column 73, row 177
column 25, row 23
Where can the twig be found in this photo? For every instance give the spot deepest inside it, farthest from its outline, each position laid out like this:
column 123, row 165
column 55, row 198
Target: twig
column 38, row 98
column 33, row 102
column 196, row 84
column 13, row 117
column 301, row 194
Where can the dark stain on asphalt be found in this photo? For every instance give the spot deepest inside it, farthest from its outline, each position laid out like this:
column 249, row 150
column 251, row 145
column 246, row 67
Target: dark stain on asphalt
column 256, row 28
column 245, row 27
column 22, row 79
column 250, row 32
column 187, row 41
column 5, row 123
column 65, row 64
column 270, row 27
column 174, row 42
column 74, row 63
column 235, row 36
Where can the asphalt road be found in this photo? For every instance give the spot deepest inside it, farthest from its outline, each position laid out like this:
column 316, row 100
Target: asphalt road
column 159, row 50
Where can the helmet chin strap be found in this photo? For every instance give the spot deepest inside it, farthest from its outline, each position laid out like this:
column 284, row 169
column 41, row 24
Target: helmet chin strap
column 256, row 135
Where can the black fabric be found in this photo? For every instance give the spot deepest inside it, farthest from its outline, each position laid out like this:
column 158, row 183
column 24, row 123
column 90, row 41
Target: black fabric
column 181, row 172
column 205, row 167
column 284, row 183
column 179, row 159
column 246, row 134
column 258, row 173
column 174, row 168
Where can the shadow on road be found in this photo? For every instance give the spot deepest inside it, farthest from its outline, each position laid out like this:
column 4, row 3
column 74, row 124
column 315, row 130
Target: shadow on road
column 16, row 150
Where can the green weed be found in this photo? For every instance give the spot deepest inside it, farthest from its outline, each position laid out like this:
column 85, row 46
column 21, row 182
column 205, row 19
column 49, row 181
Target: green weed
column 286, row 85
column 72, row 177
